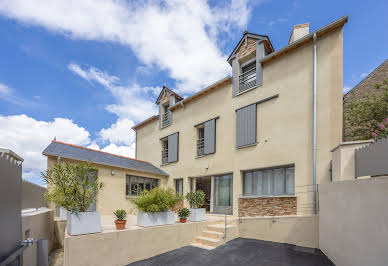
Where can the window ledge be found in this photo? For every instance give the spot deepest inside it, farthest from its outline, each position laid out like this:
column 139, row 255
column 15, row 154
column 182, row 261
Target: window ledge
column 201, row 156
column 165, row 126
column 250, row 89
column 131, row 197
column 245, row 146
column 163, row 164
column 279, row 196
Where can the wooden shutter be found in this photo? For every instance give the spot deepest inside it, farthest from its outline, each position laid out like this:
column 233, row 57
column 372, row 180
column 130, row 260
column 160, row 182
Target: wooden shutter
column 210, row 137
column 260, row 53
column 235, row 78
column 173, row 147
column 246, row 125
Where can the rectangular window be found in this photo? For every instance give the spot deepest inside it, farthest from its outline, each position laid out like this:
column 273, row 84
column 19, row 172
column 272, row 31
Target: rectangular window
column 165, row 151
column 136, row 184
column 276, row 181
column 201, row 141
column 247, row 78
column 179, row 187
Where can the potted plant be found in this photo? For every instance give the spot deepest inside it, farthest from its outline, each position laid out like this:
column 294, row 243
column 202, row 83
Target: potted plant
column 183, row 214
column 155, row 207
column 120, row 219
column 74, row 187
column 196, row 200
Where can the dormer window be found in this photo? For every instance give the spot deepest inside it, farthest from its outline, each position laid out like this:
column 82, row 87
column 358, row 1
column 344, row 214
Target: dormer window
column 167, row 98
column 247, row 79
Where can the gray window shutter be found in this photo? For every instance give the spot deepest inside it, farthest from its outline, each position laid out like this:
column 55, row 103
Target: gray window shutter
column 246, row 125
column 172, row 100
column 210, row 137
column 260, row 53
column 235, row 72
column 160, row 115
column 173, row 147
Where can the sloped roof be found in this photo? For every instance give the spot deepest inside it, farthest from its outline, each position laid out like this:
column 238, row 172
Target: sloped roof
column 164, row 89
column 69, row 151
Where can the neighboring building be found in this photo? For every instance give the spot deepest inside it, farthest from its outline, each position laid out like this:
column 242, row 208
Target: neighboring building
column 123, row 177
column 247, row 140
column 365, row 87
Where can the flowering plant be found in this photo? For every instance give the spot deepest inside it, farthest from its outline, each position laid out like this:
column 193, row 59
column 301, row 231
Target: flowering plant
column 382, row 131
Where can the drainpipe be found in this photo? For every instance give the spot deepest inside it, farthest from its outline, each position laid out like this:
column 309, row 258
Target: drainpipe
column 315, row 126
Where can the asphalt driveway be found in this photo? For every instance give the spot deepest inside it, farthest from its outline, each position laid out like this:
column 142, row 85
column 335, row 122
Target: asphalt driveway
column 241, row 251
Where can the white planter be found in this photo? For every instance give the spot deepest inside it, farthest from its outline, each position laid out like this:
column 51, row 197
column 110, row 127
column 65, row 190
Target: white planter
column 83, row 223
column 155, row 218
column 197, row 215
column 62, row 213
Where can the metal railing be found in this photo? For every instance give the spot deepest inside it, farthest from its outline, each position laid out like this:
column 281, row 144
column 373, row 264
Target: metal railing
column 16, row 255
column 247, row 79
column 166, row 118
column 200, row 146
column 164, row 156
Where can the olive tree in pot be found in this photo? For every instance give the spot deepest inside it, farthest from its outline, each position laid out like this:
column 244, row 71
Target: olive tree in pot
column 155, row 207
column 183, row 214
column 196, row 200
column 74, row 187
column 120, row 219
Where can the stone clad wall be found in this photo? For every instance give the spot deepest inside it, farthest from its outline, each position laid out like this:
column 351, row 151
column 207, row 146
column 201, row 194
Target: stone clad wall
column 244, row 51
column 267, row 206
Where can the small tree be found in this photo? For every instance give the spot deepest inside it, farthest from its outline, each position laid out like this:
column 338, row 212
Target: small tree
column 365, row 116
column 72, row 186
column 196, row 198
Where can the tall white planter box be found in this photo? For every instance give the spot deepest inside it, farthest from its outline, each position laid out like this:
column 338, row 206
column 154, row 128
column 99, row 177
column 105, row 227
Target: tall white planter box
column 82, row 223
column 155, row 218
column 62, row 213
column 197, row 215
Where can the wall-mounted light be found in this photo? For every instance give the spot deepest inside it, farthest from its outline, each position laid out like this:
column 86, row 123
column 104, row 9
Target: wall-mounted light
column 112, row 172
column 207, row 167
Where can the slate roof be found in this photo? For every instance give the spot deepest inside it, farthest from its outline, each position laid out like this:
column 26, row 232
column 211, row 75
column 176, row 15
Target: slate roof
column 65, row 150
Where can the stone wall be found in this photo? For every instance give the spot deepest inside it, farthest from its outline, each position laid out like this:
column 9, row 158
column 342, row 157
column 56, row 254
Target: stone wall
column 267, row 206
column 244, row 51
column 365, row 87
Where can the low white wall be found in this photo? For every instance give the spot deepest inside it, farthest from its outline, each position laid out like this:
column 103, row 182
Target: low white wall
column 353, row 221
column 297, row 230
column 38, row 224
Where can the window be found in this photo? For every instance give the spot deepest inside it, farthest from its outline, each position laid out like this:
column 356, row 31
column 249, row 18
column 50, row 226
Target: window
column 165, row 151
column 247, row 78
column 136, row 184
column 170, row 148
column 179, row 187
column 269, row 182
column 201, row 141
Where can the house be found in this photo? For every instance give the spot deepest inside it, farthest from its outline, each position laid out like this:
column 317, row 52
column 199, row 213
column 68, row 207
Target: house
column 362, row 89
column 259, row 141
column 123, row 177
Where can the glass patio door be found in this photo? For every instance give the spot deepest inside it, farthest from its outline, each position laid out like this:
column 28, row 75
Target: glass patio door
column 223, row 194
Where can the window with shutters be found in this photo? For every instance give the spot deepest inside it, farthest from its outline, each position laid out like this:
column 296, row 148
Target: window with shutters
column 247, row 79
column 170, row 148
column 277, row 181
column 166, row 118
column 206, row 137
column 246, row 126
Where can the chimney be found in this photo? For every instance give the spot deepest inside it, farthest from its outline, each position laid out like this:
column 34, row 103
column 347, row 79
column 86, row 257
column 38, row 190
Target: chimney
column 299, row 31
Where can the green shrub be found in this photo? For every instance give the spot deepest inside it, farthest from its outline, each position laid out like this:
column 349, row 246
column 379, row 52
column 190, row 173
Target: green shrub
column 196, row 199
column 183, row 213
column 72, row 186
column 120, row 215
column 157, row 200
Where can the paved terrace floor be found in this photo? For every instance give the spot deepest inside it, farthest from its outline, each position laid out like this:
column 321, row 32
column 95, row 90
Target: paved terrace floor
column 240, row 251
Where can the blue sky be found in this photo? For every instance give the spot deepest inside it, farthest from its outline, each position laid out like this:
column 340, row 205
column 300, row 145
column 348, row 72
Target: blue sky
column 87, row 71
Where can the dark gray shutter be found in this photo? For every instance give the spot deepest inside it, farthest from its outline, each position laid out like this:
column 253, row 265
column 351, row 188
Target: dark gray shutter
column 210, row 137
column 246, row 125
column 260, row 53
column 235, row 72
column 172, row 98
column 160, row 115
column 173, row 147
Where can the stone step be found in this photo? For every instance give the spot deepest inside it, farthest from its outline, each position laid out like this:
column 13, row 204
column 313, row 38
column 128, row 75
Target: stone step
column 219, row 227
column 202, row 246
column 207, row 241
column 212, row 234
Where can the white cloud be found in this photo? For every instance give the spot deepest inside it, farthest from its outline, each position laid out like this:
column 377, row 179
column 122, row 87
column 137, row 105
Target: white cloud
column 363, row 75
column 346, row 89
column 28, row 138
column 180, row 37
column 4, row 90
column 132, row 102
column 127, row 151
column 7, row 94
column 119, row 133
